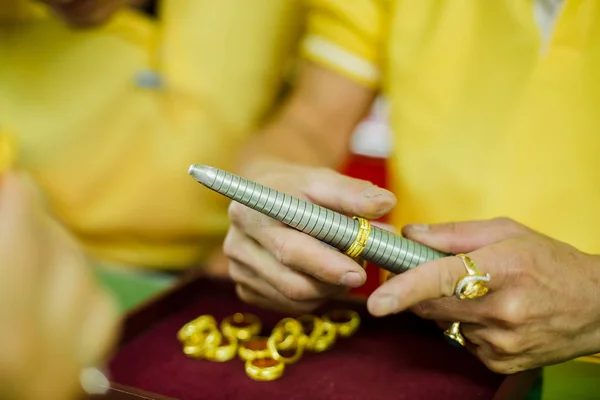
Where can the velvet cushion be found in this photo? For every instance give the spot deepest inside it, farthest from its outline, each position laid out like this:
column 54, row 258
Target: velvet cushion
column 399, row 357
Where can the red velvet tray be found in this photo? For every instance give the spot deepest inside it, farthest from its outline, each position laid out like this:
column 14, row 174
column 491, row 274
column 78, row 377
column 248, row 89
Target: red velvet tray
column 399, row 357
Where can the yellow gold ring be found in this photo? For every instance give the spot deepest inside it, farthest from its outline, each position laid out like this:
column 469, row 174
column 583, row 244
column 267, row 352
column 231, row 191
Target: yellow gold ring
column 197, row 345
column 256, row 347
column 364, row 230
column 291, row 331
column 196, row 326
column 321, row 335
column 454, row 333
column 264, row 369
column 276, row 338
column 224, row 351
column 471, row 286
column 242, row 326
column 346, row 322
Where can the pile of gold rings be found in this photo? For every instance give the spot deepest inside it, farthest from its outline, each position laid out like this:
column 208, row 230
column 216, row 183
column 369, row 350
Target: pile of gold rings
column 265, row 357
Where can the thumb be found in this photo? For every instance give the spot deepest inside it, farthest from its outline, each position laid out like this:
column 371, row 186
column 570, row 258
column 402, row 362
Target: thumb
column 464, row 237
column 347, row 195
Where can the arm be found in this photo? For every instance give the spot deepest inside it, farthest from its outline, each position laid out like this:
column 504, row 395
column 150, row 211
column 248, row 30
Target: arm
column 314, row 125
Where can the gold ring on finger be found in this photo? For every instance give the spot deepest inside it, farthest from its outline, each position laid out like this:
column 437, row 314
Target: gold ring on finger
column 472, row 285
column 454, row 333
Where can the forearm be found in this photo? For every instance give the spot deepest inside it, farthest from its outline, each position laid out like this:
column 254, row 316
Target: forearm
column 314, row 125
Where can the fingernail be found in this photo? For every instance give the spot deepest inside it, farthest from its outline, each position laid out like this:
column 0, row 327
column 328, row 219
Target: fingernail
column 418, row 227
column 373, row 191
column 94, row 381
column 384, row 305
column 352, row 279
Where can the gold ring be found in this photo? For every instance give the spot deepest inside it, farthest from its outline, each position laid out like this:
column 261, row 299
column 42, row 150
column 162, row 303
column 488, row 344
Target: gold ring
column 471, row 286
column 224, row 351
column 291, row 330
column 197, row 345
column 264, row 369
column 276, row 338
column 196, row 326
column 346, row 322
column 454, row 333
column 242, row 326
column 364, row 230
column 256, row 347
column 321, row 335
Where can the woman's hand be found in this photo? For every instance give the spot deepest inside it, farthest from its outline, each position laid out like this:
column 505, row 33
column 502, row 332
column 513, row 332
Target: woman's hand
column 543, row 304
column 54, row 320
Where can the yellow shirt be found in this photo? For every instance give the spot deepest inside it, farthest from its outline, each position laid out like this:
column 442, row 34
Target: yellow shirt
column 487, row 122
column 108, row 120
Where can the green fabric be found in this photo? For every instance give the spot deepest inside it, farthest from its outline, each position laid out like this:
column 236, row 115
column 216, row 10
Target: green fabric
column 131, row 288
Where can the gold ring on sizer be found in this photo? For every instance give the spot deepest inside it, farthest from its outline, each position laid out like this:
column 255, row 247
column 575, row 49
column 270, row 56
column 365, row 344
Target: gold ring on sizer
column 364, row 230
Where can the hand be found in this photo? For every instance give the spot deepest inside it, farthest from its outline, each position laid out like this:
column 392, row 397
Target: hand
column 54, row 320
column 542, row 306
column 278, row 267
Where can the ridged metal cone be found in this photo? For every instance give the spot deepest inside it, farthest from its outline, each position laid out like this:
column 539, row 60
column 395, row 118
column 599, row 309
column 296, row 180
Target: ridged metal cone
column 384, row 249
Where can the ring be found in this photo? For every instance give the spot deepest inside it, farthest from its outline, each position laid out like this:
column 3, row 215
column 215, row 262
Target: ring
column 454, row 333
column 242, row 326
column 276, row 338
column 346, row 322
column 256, row 347
column 471, row 286
column 195, row 327
column 364, row 230
column 264, row 369
column 320, row 334
column 291, row 331
column 197, row 345
column 224, row 351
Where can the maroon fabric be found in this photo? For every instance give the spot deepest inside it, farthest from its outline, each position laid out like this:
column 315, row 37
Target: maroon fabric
column 399, row 357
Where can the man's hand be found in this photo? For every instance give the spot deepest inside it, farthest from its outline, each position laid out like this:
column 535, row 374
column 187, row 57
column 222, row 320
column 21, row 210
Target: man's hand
column 278, row 267
column 54, row 320
column 543, row 304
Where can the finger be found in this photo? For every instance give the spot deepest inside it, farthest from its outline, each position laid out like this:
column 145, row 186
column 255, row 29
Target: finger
column 255, row 267
column 20, row 252
column 99, row 330
column 242, row 274
column 347, row 195
column 474, row 333
column 294, row 251
column 248, row 295
column 464, row 237
column 434, row 280
column 451, row 307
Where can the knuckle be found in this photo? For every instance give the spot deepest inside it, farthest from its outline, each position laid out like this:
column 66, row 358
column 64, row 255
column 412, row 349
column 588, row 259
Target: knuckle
column 447, row 282
column 236, row 212
column 510, row 311
column 498, row 367
column 244, row 294
column 423, row 310
column 235, row 272
column 281, row 250
column 231, row 246
column 295, row 293
column 503, row 346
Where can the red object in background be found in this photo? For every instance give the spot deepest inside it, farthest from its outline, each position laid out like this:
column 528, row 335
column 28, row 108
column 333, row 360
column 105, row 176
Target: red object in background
column 374, row 170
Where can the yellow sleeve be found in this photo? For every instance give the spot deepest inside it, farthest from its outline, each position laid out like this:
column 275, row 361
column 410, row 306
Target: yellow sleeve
column 346, row 36
column 22, row 10
column 7, row 152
